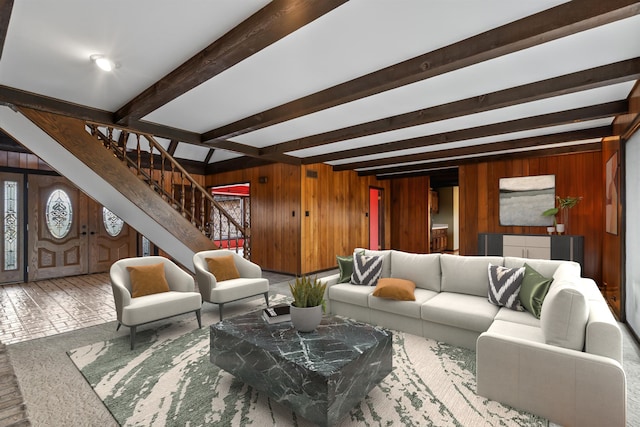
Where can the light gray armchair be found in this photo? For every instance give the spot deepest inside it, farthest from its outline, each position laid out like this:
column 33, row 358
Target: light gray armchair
column 249, row 284
column 132, row 312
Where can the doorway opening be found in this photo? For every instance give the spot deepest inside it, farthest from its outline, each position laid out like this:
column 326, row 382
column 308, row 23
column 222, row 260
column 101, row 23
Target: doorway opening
column 235, row 199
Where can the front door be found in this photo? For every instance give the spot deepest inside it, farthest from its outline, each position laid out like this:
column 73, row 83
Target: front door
column 58, row 228
column 69, row 233
column 110, row 238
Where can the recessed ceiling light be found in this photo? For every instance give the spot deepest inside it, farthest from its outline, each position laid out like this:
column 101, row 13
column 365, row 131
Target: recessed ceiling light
column 103, row 62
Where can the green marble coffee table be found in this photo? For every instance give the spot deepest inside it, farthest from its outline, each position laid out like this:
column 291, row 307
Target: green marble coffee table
column 320, row 375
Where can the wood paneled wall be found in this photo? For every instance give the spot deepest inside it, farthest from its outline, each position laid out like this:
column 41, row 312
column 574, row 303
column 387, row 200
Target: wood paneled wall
column 338, row 221
column 284, row 238
column 13, row 159
column 576, row 175
column 612, row 243
column 275, row 214
column 410, row 216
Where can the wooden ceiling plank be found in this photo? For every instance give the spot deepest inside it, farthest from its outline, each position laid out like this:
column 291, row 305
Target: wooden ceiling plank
column 551, row 24
column 514, row 144
column 273, row 22
column 579, row 148
column 593, row 112
column 569, row 83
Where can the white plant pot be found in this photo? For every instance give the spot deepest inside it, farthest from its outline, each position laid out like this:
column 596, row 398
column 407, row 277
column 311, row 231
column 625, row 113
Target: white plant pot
column 560, row 228
column 550, row 230
column 306, row 319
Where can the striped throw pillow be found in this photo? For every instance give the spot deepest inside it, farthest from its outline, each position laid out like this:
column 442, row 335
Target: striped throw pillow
column 504, row 286
column 366, row 270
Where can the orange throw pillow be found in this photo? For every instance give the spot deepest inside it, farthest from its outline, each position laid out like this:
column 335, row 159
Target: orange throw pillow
column 223, row 267
column 147, row 279
column 397, row 289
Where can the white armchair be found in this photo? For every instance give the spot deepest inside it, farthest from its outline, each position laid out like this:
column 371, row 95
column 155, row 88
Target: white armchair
column 132, row 312
column 249, row 284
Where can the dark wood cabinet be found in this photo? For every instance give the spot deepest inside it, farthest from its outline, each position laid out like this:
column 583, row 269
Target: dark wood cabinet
column 438, row 240
column 565, row 247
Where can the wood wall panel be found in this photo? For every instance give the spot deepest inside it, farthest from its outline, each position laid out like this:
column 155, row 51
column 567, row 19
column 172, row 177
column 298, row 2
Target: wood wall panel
column 12, row 159
column 576, row 175
column 338, row 206
column 410, row 221
column 275, row 214
column 612, row 244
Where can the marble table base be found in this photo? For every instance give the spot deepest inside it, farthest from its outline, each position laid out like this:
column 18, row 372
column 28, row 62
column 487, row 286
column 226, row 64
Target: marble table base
column 320, row 375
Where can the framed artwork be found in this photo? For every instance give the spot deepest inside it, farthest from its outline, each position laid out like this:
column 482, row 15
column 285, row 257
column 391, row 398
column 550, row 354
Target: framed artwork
column 611, row 194
column 523, row 199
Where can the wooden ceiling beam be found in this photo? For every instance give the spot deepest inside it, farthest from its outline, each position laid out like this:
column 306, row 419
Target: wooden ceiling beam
column 474, row 150
column 427, row 170
column 20, row 98
column 609, row 109
column 273, row 22
column 560, row 21
column 569, row 83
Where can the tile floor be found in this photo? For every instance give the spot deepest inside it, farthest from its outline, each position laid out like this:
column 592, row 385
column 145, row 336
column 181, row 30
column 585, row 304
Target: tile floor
column 49, row 307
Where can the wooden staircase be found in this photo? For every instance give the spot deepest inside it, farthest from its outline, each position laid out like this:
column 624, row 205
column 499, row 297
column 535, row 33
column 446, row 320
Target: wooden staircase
column 149, row 179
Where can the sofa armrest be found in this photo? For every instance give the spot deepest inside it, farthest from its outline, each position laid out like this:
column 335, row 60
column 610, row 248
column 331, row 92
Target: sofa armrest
column 329, row 281
column 567, row 387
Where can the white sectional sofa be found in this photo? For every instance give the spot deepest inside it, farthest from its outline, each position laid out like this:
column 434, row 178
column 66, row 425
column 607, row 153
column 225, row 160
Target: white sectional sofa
column 565, row 366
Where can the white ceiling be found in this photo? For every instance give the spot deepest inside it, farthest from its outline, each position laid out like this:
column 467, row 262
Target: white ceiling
column 48, row 44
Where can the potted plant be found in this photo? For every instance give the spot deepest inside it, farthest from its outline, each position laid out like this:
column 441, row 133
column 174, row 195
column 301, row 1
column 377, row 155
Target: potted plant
column 308, row 303
column 564, row 204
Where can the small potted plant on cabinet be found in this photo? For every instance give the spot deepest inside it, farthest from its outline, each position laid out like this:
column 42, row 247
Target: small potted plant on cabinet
column 564, row 204
column 308, row 303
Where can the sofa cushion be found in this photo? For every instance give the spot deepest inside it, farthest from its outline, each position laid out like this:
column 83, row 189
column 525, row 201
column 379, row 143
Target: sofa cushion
column 147, row 279
column 396, row 289
column 223, row 267
column 469, row 312
column 522, row 317
column 466, row 274
column 517, row 330
column 421, row 269
column 504, row 286
column 564, row 316
column 350, row 294
column 366, row 270
column 533, row 290
column 386, row 259
column 405, row 308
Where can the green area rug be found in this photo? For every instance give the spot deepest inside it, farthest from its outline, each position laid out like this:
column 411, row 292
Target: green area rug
column 168, row 380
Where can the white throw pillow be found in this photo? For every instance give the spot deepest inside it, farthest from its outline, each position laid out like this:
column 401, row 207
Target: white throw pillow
column 564, row 316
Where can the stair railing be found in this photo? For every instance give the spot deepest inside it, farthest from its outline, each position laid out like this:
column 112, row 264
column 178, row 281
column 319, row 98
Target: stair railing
column 184, row 194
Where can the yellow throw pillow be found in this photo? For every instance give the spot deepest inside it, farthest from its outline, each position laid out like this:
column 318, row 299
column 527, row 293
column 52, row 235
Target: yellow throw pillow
column 398, row 289
column 223, row 267
column 147, row 279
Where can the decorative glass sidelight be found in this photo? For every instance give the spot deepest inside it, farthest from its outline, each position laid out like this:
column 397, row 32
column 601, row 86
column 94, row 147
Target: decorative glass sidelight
column 10, row 225
column 112, row 223
column 59, row 214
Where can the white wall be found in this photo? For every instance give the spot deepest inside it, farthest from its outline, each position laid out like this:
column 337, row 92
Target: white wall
column 632, row 232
